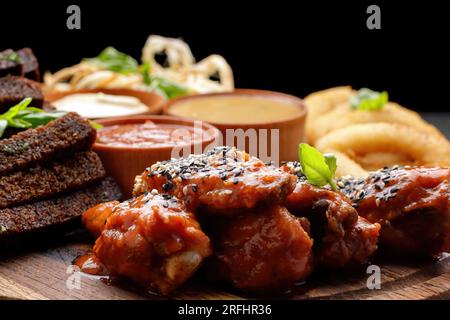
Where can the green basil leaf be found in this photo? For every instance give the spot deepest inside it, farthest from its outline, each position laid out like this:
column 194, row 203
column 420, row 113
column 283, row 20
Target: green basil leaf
column 330, row 160
column 369, row 100
column 114, row 60
column 315, row 167
column 3, row 126
column 13, row 57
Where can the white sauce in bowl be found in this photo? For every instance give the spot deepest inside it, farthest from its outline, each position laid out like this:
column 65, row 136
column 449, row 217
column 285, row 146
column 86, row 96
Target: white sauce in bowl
column 100, row 105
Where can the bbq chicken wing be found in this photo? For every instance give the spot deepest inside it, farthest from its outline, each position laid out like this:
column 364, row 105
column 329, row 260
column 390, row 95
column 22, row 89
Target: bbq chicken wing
column 151, row 239
column 412, row 204
column 261, row 251
column 224, row 180
column 341, row 237
column 94, row 219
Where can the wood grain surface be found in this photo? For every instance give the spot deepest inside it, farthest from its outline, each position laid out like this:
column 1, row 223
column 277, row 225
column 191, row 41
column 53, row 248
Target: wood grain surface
column 44, row 273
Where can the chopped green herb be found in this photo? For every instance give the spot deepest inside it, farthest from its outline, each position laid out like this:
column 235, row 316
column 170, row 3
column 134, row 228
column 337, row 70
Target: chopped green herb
column 145, row 69
column 318, row 169
column 368, row 100
column 13, row 56
column 116, row 61
column 113, row 60
column 3, row 126
column 95, row 125
column 168, row 89
column 21, row 116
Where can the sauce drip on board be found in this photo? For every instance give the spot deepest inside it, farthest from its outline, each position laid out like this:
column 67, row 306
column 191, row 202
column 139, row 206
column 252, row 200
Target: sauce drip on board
column 89, row 264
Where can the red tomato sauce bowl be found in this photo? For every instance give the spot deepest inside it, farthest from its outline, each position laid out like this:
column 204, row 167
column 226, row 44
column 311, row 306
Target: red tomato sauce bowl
column 128, row 145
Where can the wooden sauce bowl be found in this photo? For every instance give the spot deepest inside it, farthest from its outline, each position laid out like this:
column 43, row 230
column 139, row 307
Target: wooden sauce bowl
column 152, row 100
column 123, row 163
column 291, row 130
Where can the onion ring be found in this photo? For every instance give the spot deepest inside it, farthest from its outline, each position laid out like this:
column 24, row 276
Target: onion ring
column 321, row 102
column 422, row 148
column 376, row 160
column 342, row 116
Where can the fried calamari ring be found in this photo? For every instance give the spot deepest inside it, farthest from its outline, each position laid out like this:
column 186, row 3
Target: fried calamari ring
column 342, row 116
column 360, row 139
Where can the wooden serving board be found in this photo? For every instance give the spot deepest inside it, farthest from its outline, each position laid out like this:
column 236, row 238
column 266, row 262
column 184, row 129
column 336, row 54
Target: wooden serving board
column 44, row 273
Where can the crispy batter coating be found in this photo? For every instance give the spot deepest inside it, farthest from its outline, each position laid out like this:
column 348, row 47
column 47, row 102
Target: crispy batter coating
column 151, row 239
column 223, row 180
column 412, row 204
column 341, row 238
column 262, row 251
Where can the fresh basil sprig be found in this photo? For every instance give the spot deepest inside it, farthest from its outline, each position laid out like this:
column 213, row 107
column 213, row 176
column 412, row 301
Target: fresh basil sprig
column 114, row 60
column 166, row 88
column 170, row 89
column 13, row 57
column 319, row 169
column 369, row 100
column 21, row 116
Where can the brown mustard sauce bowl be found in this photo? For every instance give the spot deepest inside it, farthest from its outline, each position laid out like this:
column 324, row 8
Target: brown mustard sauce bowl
column 291, row 131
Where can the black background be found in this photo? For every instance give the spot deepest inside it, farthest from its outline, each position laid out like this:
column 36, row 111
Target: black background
column 279, row 45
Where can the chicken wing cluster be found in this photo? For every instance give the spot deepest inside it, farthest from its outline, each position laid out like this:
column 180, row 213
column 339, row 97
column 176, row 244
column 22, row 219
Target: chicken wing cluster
column 411, row 204
column 260, row 228
column 342, row 238
column 152, row 239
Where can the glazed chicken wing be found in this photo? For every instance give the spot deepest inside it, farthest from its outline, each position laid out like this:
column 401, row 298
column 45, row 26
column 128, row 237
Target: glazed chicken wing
column 412, row 204
column 151, row 239
column 94, row 219
column 224, row 180
column 341, row 237
column 260, row 251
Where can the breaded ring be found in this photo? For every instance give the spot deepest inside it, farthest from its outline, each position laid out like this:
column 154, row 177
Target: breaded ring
column 376, row 160
column 342, row 116
column 321, row 102
column 424, row 149
column 347, row 166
